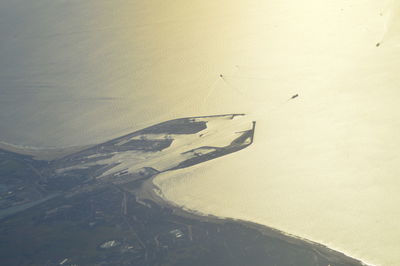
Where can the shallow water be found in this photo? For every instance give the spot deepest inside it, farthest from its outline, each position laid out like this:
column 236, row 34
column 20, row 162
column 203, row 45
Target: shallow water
column 323, row 166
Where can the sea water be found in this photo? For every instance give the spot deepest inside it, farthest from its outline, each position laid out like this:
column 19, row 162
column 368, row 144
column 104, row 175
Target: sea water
column 324, row 166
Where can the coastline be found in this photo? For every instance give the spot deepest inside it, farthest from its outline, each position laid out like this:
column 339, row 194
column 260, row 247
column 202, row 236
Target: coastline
column 151, row 192
column 144, row 207
column 47, row 154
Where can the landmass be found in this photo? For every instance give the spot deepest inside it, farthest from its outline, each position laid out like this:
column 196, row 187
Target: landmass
column 99, row 206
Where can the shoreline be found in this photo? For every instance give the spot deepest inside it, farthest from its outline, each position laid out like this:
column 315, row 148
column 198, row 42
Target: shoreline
column 138, row 188
column 151, row 192
column 46, row 154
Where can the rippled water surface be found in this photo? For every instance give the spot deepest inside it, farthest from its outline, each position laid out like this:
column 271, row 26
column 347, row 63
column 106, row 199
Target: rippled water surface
column 323, row 166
